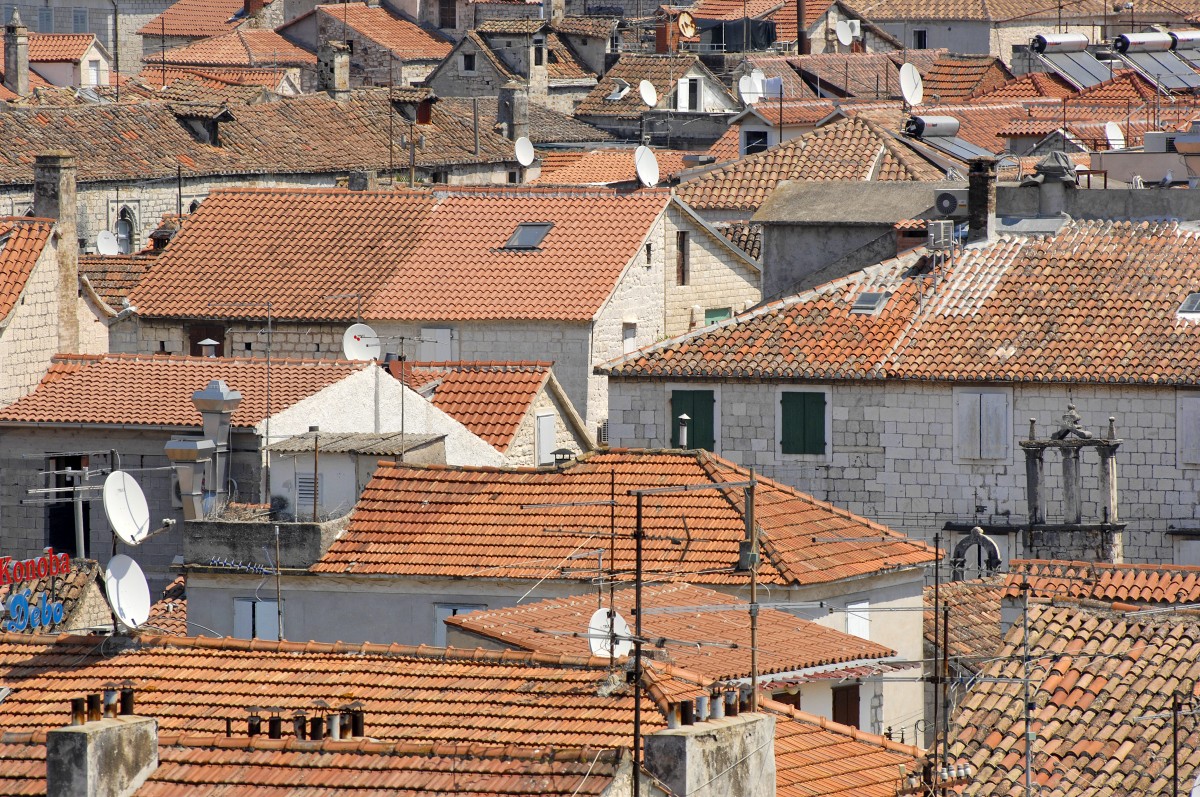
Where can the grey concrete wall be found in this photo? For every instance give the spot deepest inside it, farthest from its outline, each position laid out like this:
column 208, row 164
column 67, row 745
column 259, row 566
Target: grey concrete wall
column 797, row 257
column 1113, row 203
column 301, row 544
column 731, row 755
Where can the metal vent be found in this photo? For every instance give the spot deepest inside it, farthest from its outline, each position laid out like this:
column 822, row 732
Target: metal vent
column 602, row 433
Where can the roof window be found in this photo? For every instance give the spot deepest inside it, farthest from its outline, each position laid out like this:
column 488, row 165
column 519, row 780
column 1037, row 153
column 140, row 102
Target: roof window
column 1191, row 305
column 529, row 235
column 869, row 303
column 620, row 89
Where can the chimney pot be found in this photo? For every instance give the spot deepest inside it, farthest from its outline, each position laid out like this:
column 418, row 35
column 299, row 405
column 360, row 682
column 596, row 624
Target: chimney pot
column 110, row 703
column 335, row 727
column 981, row 199
column 254, row 725
column 358, row 723
column 16, row 56
column 78, row 711
column 514, row 110
column 252, row 8
column 127, row 701
column 299, row 725
column 731, row 704
column 275, row 727
column 316, row 729
column 333, row 69
column 686, row 713
column 54, row 198
column 93, row 708
column 718, row 706
column 701, row 708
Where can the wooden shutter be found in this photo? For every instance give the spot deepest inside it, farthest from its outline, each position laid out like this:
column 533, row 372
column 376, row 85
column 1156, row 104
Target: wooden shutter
column 697, row 405
column 803, row 423
column 681, row 94
column 1188, row 430
column 993, row 426
column 845, row 705
column 966, row 425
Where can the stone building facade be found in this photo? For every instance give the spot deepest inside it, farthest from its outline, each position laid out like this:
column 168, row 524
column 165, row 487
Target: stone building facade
column 95, row 16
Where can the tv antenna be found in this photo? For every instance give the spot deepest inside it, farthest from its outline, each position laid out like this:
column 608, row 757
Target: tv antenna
column 127, row 591
column 106, row 243
column 911, row 85
column 646, row 165
column 524, row 151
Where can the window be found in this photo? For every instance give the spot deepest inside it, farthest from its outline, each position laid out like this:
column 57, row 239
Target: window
column 920, row 39
column 304, row 491
column 858, row 622
column 620, row 89
column 435, row 345
column 649, row 253
column 441, row 178
column 125, row 231
column 716, row 315
column 802, row 422
column 539, row 52
column 982, row 423
column 688, row 94
column 869, row 303
column 45, row 20
column 444, row 611
column 1187, row 429
column 447, row 14
column 545, row 438
column 79, row 20
column 699, row 406
column 754, row 141
column 845, row 705
column 255, row 619
column 468, row 63
column 1191, row 305
column 529, row 235
column 60, row 515
column 514, row 177
column 199, row 332
column 94, row 72
column 628, row 338
column 682, row 265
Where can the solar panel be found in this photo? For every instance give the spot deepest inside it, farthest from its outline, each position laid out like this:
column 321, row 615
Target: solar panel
column 1081, row 70
column 1163, row 68
column 957, row 148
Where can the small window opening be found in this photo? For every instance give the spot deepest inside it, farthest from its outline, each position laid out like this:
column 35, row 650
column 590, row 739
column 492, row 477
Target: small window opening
column 529, row 235
column 869, row 303
column 620, row 89
column 649, row 253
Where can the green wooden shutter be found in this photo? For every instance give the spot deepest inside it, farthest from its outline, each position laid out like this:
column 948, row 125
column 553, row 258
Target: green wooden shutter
column 697, row 405
column 803, row 426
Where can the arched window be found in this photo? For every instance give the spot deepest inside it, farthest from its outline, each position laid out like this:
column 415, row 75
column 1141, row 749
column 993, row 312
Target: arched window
column 125, row 231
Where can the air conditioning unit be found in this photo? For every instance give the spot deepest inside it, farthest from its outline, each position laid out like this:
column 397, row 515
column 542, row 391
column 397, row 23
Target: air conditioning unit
column 951, row 203
column 1159, row 141
column 855, row 26
column 940, row 234
column 602, row 433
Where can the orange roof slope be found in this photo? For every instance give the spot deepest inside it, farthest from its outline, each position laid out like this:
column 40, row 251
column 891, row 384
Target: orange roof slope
column 785, row 642
column 490, row 399
column 403, row 37
column 1097, row 302
column 410, row 254
column 197, row 18
column 610, row 166
column 51, row 48
column 852, row 149
column 1102, row 692
column 663, row 71
column 469, row 522
column 21, row 243
column 208, row 766
column 157, row 389
column 168, row 615
column 955, row 77
column 241, row 47
column 113, row 277
column 1032, row 86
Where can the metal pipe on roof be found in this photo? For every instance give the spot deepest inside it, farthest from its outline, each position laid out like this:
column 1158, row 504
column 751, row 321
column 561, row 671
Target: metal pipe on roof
column 78, row 711
column 93, row 708
column 126, row 701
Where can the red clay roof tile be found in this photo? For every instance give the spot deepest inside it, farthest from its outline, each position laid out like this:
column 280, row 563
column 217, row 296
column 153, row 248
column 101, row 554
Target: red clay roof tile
column 252, row 47
column 407, row 39
column 197, row 18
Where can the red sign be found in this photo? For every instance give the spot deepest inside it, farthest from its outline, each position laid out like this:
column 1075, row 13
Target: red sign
column 48, row 564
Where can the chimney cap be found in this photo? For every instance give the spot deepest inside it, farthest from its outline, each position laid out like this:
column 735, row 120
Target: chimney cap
column 216, row 397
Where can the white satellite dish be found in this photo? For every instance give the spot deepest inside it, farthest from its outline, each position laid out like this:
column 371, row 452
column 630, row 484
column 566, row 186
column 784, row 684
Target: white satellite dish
column 649, row 93
column 911, row 85
column 1116, row 139
column 126, row 508
column 750, row 87
column 601, row 637
column 646, row 165
column 127, row 591
column 359, row 342
column 845, row 36
column 687, row 25
column 524, row 148
column 106, row 243
column 773, row 87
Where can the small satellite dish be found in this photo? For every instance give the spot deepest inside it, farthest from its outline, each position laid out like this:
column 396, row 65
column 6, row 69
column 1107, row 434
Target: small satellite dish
column 524, row 148
column 106, row 243
column 359, row 342
column 687, row 25
column 126, row 508
column 845, row 36
column 646, row 165
column 748, row 90
column 758, row 75
column 649, row 93
column 911, row 85
column 127, row 591
column 1116, row 139
column 600, row 637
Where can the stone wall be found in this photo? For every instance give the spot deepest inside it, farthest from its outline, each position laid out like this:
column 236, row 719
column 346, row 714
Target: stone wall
column 718, row 277
column 523, row 449
column 892, row 457
column 30, row 339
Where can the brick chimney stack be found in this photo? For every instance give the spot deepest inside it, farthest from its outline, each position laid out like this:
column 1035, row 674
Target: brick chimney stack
column 981, row 199
column 252, row 8
column 54, row 198
column 514, row 110
column 333, row 69
column 16, row 56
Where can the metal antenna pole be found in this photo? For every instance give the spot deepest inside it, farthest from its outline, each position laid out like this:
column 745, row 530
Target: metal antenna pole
column 752, row 534
column 77, row 500
column 278, row 588
column 637, row 653
column 1025, row 667
column 937, row 544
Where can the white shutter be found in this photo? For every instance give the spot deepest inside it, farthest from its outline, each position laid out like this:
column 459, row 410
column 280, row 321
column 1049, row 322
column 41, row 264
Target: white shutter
column 1188, row 430
column 545, row 439
column 243, row 618
column 993, row 426
column 858, row 622
column 435, row 345
column 681, row 94
column 966, row 425
column 266, row 620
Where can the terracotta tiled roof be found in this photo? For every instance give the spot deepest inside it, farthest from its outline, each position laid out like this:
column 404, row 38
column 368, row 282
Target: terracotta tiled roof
column 131, row 389
column 1030, row 86
column 593, row 27
column 561, row 62
column 1126, row 85
column 293, row 135
column 785, row 642
column 169, row 614
column 490, row 399
column 955, row 77
column 209, row 765
column 1013, row 12
column 524, row 26
column 974, row 627
column 405, row 38
column 1061, row 310
column 794, row 112
column 254, row 47
column 794, row 87
column 113, row 277
column 726, row 148
column 1028, row 127
column 495, row 537
column 215, row 78
column 545, row 124
column 785, row 18
column 663, row 71
column 21, row 243
column 53, row 48
column 610, row 167
column 745, row 236
column 197, row 18
column 1125, row 583
column 1102, row 687
column 851, row 149
column 382, row 244
column 863, row 75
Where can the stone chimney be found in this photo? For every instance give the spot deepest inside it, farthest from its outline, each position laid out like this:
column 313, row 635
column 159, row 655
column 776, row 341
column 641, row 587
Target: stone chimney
column 1056, row 175
column 109, row 757
column 514, row 110
column 981, row 199
column 734, row 755
column 54, row 198
column 16, row 56
column 333, row 69
column 557, row 11
column 252, row 8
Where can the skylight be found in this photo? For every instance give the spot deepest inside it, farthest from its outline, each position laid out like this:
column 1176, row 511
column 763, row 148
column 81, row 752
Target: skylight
column 1191, row 305
column 620, row 90
column 869, row 303
column 529, row 235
